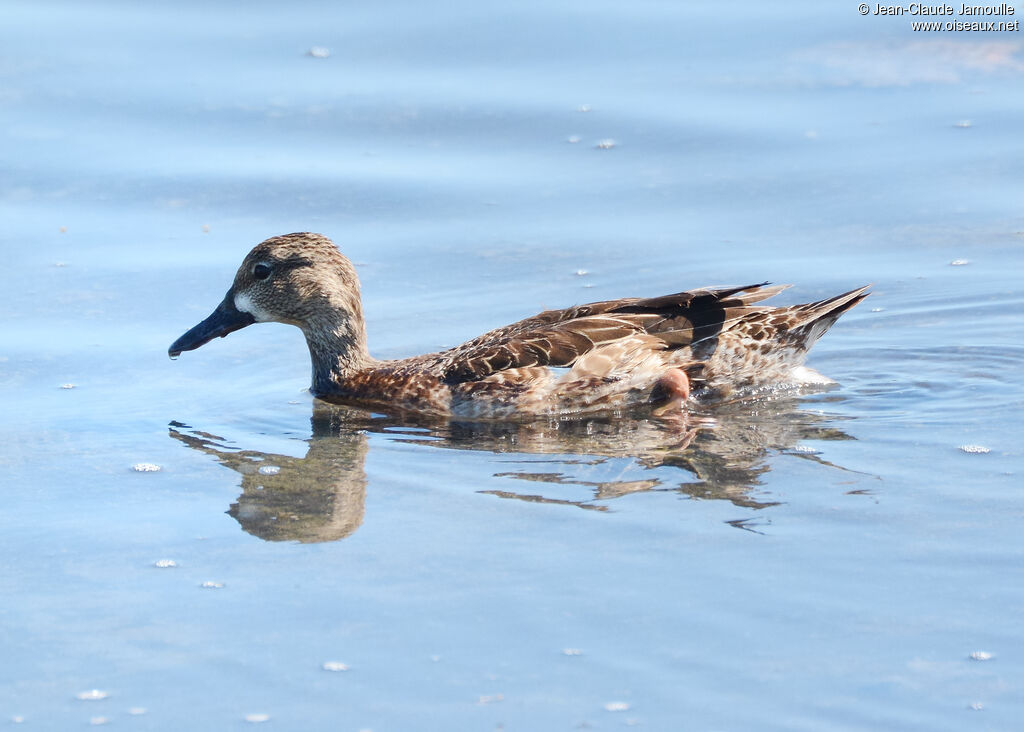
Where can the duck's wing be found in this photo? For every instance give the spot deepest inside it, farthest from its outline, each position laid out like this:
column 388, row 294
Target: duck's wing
column 559, row 337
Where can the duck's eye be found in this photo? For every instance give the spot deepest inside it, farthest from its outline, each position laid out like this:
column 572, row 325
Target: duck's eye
column 261, row 271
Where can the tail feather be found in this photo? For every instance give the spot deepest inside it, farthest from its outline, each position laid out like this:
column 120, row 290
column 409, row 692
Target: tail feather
column 815, row 318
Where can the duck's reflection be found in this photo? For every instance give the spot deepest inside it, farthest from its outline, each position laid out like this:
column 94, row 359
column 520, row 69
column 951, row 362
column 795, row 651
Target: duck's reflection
column 321, row 497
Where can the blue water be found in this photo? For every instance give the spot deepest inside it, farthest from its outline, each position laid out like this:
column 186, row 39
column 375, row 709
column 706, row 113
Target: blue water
column 828, row 561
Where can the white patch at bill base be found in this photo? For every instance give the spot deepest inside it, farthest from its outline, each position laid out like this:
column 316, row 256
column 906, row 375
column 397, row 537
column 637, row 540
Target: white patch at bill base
column 244, row 303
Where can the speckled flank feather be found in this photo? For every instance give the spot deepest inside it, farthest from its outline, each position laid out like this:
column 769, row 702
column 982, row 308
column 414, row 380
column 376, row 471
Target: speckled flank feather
column 599, row 356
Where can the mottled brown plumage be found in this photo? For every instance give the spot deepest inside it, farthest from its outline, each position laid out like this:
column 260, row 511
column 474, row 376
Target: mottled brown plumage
column 700, row 345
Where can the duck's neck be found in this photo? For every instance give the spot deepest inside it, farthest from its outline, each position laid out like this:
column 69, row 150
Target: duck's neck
column 337, row 348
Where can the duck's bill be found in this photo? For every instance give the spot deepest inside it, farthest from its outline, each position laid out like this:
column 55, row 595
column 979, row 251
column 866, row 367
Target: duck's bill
column 225, row 319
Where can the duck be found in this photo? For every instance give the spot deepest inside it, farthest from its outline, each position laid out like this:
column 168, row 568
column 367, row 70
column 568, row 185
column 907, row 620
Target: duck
column 662, row 354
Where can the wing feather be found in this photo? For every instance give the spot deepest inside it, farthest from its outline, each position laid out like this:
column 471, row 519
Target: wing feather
column 560, row 337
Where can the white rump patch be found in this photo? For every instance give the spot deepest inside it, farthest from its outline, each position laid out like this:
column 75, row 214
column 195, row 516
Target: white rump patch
column 244, row 303
column 803, row 375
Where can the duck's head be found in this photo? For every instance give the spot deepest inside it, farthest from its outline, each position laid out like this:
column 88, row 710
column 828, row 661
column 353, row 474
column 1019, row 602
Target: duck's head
column 299, row 279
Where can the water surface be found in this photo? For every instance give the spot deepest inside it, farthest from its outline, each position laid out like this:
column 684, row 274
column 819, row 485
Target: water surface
column 820, row 561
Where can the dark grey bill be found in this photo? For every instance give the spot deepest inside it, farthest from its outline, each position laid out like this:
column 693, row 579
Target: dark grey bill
column 225, row 319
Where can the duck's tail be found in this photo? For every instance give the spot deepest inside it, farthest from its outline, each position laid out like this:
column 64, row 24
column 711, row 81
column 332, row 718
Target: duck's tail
column 812, row 320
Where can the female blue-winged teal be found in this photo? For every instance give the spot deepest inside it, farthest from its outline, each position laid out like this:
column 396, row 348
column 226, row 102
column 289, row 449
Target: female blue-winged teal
column 701, row 345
